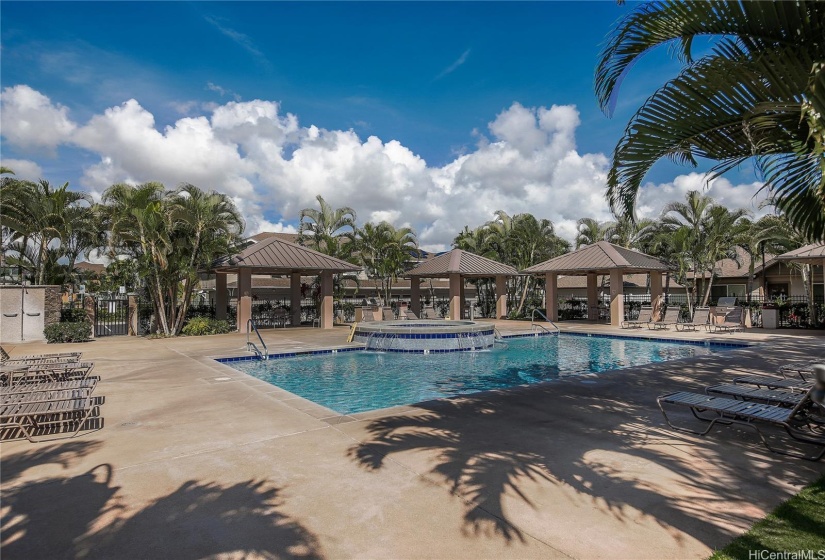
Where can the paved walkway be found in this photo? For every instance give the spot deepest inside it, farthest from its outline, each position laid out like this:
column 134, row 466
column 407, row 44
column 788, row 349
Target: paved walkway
column 198, row 460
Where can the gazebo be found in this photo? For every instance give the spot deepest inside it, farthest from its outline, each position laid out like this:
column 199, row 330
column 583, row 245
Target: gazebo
column 599, row 258
column 809, row 254
column 458, row 265
column 277, row 257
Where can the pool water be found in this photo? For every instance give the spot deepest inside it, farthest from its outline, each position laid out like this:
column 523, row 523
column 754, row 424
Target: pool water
column 349, row 382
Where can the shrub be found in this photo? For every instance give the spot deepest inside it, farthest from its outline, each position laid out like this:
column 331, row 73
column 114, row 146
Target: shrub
column 68, row 332
column 199, row 326
column 73, row 315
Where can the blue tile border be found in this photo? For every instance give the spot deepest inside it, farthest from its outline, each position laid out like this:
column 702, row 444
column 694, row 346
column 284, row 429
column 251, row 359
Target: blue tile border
column 732, row 344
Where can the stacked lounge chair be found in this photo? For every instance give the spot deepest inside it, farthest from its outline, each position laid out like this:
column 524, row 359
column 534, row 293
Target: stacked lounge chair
column 644, row 318
column 733, row 321
column 43, row 396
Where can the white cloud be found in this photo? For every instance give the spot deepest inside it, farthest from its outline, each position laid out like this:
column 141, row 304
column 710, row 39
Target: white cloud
column 454, row 66
column 273, row 166
column 23, row 169
column 31, row 121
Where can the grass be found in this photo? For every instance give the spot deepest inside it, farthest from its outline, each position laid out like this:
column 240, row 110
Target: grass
column 798, row 524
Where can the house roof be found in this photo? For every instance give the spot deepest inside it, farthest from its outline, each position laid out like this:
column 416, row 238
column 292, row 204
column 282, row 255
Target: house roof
column 275, row 256
column 599, row 258
column 813, row 253
column 264, row 235
column 461, row 262
column 96, row 268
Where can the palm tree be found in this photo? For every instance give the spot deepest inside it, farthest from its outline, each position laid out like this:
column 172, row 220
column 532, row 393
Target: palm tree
column 326, row 228
column 589, row 231
column 691, row 214
column 384, row 252
column 759, row 93
column 723, row 231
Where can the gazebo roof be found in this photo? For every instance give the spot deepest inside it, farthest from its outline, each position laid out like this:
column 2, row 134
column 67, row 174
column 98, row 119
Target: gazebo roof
column 461, row 262
column 815, row 252
column 599, row 258
column 276, row 256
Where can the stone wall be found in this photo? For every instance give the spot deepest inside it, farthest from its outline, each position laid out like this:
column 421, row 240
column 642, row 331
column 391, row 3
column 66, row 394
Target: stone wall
column 52, row 305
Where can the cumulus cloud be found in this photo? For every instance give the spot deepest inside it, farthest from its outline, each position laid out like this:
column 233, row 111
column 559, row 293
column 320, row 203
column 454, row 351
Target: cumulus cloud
column 30, row 119
column 272, row 165
column 23, row 169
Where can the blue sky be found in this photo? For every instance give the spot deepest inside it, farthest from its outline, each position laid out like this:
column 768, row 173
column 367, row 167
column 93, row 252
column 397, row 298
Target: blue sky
column 431, row 76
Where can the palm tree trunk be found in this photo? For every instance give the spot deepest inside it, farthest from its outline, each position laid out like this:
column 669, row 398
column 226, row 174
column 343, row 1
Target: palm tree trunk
column 707, row 291
column 523, row 295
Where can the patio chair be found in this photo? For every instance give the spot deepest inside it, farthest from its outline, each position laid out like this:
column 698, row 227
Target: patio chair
column 701, row 318
column 671, row 318
column 51, row 415
column 770, row 382
column 795, row 421
column 775, row 396
column 645, row 317
column 88, row 383
column 5, row 358
column 411, row 316
column 280, row 317
column 733, row 321
column 45, row 372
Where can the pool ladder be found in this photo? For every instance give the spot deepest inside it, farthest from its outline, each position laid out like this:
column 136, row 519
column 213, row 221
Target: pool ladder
column 250, row 345
column 538, row 328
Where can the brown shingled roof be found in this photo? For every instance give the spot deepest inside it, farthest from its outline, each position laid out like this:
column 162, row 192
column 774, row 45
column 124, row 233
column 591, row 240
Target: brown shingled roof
column 461, row 262
column 275, row 256
column 600, row 257
column 813, row 253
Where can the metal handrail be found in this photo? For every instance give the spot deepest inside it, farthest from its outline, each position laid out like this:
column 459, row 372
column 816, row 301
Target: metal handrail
column 249, row 344
column 533, row 321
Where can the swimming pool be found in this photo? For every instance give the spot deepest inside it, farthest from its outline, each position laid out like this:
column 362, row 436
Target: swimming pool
column 357, row 381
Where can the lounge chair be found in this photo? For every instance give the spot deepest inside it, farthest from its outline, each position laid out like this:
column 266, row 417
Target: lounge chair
column 770, row 382
column 45, row 372
column 88, row 383
column 701, row 318
column 671, row 318
column 411, row 316
column 31, row 417
column 748, row 413
column 5, row 358
column 645, row 317
column 775, row 396
column 732, row 322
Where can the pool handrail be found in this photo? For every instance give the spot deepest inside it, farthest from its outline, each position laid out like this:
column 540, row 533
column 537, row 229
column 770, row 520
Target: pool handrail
column 533, row 321
column 250, row 345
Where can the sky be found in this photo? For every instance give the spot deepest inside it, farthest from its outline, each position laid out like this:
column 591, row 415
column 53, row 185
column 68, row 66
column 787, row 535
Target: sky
column 428, row 115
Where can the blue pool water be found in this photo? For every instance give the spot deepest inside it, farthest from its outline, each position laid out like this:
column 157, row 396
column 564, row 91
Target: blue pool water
column 349, row 382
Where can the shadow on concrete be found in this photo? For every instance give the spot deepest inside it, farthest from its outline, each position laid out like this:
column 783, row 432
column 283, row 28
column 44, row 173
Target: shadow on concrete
column 605, row 440
column 83, row 517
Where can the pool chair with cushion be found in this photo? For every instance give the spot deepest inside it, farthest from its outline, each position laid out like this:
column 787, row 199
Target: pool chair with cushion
column 701, row 318
column 644, row 318
column 803, row 422
column 671, row 318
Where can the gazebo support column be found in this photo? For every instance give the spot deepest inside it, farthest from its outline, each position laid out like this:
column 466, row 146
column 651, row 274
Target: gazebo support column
column 501, row 297
column 617, row 297
column 463, row 301
column 655, row 286
column 551, row 296
column 592, row 297
column 455, row 297
column 326, row 300
column 415, row 295
column 244, row 298
column 295, row 299
column 220, row 296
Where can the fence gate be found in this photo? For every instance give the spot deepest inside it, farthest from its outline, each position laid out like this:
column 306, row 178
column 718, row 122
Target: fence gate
column 111, row 317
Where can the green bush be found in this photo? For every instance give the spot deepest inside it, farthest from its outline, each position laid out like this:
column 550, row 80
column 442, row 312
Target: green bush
column 68, row 332
column 73, row 315
column 199, row 326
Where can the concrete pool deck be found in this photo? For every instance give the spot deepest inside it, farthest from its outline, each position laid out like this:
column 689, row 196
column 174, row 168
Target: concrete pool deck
column 196, row 460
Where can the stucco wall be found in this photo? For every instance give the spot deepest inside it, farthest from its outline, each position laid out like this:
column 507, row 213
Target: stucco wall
column 25, row 311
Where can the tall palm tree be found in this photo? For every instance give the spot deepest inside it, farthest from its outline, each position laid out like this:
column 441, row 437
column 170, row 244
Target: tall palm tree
column 723, row 232
column 759, row 93
column 384, row 252
column 691, row 214
column 327, row 229
column 589, row 231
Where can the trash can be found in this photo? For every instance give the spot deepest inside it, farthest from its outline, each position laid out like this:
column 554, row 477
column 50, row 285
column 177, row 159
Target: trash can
column 770, row 318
